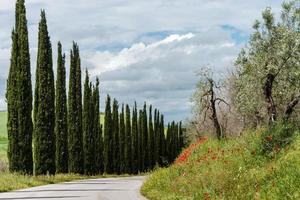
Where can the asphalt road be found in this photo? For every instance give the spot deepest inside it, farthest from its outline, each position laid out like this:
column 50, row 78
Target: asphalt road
column 94, row 189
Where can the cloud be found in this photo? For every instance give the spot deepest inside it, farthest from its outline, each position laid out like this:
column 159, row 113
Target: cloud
column 142, row 50
column 106, row 61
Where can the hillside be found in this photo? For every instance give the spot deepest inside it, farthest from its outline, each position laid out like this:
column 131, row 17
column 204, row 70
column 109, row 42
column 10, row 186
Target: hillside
column 231, row 169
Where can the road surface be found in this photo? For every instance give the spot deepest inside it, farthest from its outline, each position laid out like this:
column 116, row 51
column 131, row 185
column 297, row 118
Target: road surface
column 94, row 189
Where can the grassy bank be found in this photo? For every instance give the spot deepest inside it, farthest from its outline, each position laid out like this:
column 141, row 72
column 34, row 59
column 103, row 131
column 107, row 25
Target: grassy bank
column 231, row 169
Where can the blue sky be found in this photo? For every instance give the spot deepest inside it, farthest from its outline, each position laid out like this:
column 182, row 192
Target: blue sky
column 142, row 50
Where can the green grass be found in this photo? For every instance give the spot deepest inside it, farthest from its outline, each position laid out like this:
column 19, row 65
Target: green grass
column 9, row 181
column 231, row 169
column 3, row 121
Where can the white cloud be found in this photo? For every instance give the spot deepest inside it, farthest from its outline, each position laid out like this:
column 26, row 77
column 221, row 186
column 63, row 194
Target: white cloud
column 106, row 61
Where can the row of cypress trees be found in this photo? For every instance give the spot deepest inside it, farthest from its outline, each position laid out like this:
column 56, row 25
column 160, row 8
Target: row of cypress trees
column 136, row 141
column 67, row 136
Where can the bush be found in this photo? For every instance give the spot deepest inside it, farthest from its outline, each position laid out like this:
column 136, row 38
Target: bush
column 275, row 138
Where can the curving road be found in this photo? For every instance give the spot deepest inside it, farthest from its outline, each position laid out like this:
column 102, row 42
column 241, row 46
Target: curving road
column 94, row 189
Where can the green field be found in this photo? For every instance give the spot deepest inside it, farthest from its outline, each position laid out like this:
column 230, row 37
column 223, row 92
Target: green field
column 3, row 120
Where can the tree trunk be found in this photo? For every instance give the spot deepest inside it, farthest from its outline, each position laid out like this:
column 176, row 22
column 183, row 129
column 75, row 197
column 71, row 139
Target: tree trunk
column 272, row 112
column 214, row 111
column 290, row 107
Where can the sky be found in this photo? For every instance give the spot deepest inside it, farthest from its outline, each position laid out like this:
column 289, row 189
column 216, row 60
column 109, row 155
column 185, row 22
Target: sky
column 141, row 50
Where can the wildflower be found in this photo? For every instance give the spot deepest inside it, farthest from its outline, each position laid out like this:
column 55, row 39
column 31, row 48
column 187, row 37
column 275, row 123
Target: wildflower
column 206, row 196
column 269, row 138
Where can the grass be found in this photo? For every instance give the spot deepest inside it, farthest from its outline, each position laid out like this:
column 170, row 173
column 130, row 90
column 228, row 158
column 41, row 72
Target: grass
column 3, row 121
column 230, row 169
column 9, row 181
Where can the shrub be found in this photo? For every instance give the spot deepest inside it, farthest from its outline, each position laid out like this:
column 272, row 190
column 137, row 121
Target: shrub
column 275, row 138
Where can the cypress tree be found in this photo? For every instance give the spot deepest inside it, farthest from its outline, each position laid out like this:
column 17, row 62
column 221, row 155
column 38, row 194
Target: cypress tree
column 122, row 140
column 151, row 140
column 140, row 141
column 156, row 136
column 145, row 139
column 61, row 126
column 44, row 100
column 97, row 129
column 12, row 111
column 88, row 129
column 19, row 97
column 108, row 138
column 75, row 145
column 168, row 144
column 134, row 132
column 116, row 142
column 181, row 137
column 162, row 140
column 128, row 142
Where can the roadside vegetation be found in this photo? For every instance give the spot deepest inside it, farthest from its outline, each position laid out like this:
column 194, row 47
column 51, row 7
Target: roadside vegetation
column 230, row 169
column 244, row 134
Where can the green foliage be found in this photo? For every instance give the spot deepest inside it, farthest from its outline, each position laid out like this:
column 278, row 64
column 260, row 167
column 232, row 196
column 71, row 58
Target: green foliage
column 44, row 115
column 19, row 97
column 122, row 140
column 61, row 118
column 268, row 68
column 97, row 130
column 275, row 138
column 229, row 169
column 135, row 149
column 128, row 142
column 75, row 145
column 89, row 136
column 108, row 138
column 116, row 138
column 151, row 145
column 146, row 151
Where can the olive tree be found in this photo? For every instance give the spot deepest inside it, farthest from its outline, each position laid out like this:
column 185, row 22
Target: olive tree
column 268, row 69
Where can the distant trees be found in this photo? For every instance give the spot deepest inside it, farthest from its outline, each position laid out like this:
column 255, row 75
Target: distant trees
column 69, row 136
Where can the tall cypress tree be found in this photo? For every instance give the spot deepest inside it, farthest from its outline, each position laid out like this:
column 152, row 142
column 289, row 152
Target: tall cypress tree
column 134, row 132
column 19, row 97
column 156, row 136
column 44, row 100
column 122, row 140
column 12, row 110
column 168, row 144
column 162, row 140
column 145, row 139
column 61, row 126
column 97, row 129
column 108, row 138
column 140, row 141
column 116, row 142
column 75, row 145
column 128, row 142
column 88, row 129
column 181, row 137
column 151, row 140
